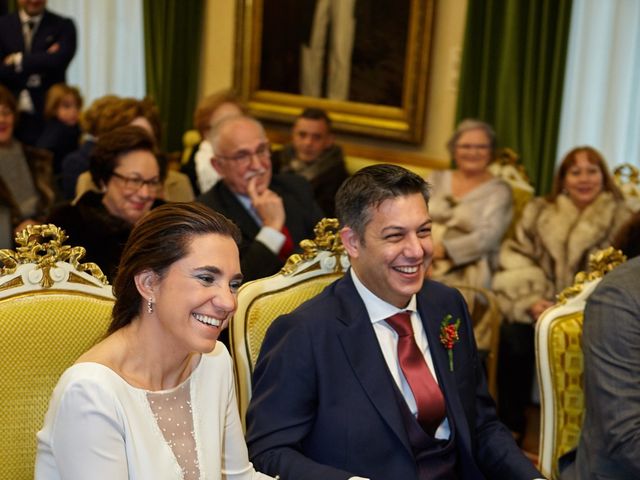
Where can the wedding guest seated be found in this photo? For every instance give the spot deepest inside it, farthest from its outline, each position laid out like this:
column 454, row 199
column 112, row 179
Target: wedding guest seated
column 125, row 167
column 62, row 132
column 143, row 113
column 112, row 113
column 209, row 111
column 274, row 212
column 76, row 162
column 26, row 184
column 552, row 242
column 313, row 154
column 471, row 209
column 155, row 399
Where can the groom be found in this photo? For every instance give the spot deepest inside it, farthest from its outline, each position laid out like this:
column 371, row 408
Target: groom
column 378, row 376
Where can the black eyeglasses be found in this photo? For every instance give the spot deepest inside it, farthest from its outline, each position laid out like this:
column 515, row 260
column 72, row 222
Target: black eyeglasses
column 243, row 157
column 136, row 183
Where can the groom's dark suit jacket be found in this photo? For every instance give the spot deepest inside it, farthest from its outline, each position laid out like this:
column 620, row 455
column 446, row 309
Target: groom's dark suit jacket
column 324, row 405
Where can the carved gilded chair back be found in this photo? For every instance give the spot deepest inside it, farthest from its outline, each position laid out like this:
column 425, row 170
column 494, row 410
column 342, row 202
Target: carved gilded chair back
column 559, row 362
column 627, row 177
column 52, row 308
column 261, row 301
column 507, row 166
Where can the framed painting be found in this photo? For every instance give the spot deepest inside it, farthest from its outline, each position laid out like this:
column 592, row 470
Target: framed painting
column 363, row 61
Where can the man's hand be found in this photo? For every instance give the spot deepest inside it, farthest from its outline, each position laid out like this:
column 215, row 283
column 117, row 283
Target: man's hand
column 10, row 59
column 268, row 205
column 537, row 308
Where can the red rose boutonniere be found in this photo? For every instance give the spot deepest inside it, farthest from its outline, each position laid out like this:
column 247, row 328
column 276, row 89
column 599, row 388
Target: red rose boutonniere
column 449, row 336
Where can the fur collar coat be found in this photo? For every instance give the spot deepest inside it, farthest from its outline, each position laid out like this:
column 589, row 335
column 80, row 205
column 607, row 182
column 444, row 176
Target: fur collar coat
column 552, row 242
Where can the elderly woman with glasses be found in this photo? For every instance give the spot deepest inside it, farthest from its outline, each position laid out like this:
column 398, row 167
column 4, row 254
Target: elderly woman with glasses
column 125, row 167
column 471, row 209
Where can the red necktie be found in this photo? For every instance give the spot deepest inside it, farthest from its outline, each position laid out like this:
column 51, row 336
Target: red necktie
column 287, row 246
column 427, row 393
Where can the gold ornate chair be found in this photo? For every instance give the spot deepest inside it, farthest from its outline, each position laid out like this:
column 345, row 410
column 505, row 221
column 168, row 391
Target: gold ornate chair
column 261, row 301
column 52, row 308
column 190, row 139
column 507, row 166
column 627, row 177
column 559, row 363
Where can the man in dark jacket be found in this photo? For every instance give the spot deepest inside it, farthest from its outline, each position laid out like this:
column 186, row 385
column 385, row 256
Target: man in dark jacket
column 313, row 154
column 36, row 47
column 274, row 212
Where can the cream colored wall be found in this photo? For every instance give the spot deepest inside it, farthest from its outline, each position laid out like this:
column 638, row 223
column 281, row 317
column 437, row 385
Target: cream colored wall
column 218, row 46
column 449, row 22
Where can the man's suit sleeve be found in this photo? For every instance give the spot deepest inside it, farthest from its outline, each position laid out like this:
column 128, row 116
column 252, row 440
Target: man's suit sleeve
column 612, row 370
column 309, row 202
column 257, row 261
column 46, row 63
column 497, row 452
column 278, row 419
column 300, row 198
column 8, row 29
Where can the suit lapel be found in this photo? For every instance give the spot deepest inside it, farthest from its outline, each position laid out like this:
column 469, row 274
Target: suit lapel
column 234, row 209
column 432, row 312
column 14, row 36
column 363, row 352
column 293, row 221
column 38, row 40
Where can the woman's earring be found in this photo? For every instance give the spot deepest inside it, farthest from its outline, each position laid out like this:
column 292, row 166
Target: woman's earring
column 149, row 305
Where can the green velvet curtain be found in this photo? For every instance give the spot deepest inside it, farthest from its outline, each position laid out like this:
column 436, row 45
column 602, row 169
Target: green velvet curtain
column 173, row 31
column 512, row 76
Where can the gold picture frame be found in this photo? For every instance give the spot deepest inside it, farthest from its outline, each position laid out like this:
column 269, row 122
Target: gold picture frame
column 260, row 66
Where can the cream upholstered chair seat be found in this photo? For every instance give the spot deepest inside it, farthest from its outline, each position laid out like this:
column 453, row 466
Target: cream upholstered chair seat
column 560, row 365
column 261, row 301
column 52, row 308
